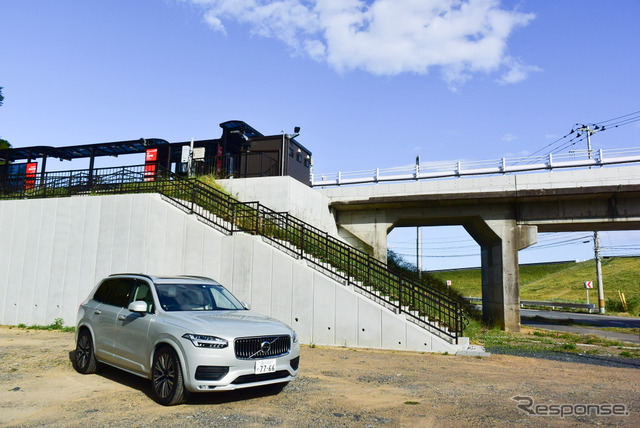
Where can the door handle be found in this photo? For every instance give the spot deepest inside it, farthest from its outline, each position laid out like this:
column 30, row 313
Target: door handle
column 97, row 312
column 122, row 317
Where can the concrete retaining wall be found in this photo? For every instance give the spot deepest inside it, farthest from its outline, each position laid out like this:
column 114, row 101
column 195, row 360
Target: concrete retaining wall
column 285, row 194
column 53, row 252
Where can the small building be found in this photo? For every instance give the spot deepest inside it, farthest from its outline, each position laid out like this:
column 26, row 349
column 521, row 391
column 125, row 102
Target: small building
column 240, row 152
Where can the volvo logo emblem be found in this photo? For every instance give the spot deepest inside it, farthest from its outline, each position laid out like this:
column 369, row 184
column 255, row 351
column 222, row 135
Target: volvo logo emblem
column 265, row 347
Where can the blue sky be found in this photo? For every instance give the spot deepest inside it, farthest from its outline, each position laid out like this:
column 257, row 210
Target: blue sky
column 371, row 83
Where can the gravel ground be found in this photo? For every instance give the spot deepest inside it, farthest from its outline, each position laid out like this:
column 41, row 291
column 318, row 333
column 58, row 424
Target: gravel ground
column 342, row 387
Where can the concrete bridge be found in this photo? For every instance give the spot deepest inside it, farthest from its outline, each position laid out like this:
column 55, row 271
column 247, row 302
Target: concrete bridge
column 503, row 213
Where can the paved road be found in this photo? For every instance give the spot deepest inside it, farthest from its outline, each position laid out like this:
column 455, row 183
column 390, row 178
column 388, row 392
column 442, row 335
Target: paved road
column 581, row 323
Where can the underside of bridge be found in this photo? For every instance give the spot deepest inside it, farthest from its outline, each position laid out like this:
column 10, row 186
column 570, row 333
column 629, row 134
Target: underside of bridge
column 502, row 223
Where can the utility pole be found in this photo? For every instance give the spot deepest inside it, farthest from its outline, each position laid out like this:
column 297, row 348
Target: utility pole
column 419, row 252
column 596, row 241
column 596, row 235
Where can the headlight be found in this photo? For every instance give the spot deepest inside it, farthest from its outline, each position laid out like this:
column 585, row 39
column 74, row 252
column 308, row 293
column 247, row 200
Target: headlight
column 200, row 341
column 294, row 338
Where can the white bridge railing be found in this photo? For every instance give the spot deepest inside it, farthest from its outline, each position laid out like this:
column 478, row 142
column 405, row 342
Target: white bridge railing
column 575, row 159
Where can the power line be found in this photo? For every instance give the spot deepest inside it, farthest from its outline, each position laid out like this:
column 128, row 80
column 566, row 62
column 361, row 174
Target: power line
column 560, row 145
column 617, row 118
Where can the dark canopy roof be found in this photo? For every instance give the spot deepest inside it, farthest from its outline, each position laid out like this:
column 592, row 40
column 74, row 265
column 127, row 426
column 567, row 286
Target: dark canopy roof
column 82, row 150
column 247, row 130
column 122, row 147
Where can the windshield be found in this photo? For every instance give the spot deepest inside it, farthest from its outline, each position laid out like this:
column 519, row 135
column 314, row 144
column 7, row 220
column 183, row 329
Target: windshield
column 196, row 297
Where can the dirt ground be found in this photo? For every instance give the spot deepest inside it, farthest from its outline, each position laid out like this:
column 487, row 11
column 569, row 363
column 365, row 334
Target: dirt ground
column 335, row 387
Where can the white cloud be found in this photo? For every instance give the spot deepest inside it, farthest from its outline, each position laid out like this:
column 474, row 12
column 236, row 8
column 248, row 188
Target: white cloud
column 517, row 71
column 509, row 138
column 386, row 37
column 520, row 154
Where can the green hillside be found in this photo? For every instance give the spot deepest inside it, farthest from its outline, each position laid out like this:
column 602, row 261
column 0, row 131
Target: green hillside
column 564, row 282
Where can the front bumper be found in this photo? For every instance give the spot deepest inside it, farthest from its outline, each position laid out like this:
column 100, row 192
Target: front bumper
column 220, row 370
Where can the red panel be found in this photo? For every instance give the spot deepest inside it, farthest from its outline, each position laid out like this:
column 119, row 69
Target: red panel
column 152, row 155
column 151, row 160
column 32, row 169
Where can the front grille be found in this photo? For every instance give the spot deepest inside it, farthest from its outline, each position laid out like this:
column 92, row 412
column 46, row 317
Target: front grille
column 253, row 348
column 251, row 378
column 211, row 372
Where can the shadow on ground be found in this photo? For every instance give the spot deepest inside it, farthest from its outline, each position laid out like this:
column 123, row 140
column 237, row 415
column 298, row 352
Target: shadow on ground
column 144, row 385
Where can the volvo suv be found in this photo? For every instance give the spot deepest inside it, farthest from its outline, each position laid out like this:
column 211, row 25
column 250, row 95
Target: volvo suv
column 184, row 333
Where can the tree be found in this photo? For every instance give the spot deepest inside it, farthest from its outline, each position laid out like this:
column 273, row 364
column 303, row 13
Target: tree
column 1, row 97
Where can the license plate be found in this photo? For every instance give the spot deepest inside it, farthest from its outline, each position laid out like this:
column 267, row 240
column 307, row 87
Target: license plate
column 265, row 366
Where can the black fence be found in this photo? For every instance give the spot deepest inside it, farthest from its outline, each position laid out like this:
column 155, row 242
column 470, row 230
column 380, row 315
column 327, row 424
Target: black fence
column 243, row 165
column 429, row 307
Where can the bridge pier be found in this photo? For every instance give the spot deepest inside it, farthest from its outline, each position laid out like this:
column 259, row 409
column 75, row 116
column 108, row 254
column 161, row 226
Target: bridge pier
column 500, row 241
column 366, row 232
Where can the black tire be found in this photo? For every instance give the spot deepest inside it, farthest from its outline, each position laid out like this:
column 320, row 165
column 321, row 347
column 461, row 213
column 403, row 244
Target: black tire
column 85, row 358
column 167, row 381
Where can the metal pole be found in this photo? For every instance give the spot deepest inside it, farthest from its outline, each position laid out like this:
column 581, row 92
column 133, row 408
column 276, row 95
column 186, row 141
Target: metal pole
column 589, row 132
column 282, row 158
column 419, row 252
column 588, row 298
column 190, row 161
column 596, row 239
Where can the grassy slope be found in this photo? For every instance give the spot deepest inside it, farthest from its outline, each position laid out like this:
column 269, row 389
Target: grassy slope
column 561, row 282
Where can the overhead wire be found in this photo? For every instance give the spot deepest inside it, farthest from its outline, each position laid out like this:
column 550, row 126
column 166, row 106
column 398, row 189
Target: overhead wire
column 406, row 248
column 559, row 144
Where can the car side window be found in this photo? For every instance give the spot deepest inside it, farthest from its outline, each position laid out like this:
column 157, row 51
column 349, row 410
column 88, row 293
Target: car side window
column 102, row 293
column 115, row 291
column 143, row 293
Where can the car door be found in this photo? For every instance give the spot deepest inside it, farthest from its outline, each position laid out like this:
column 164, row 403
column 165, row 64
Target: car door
column 112, row 295
column 132, row 330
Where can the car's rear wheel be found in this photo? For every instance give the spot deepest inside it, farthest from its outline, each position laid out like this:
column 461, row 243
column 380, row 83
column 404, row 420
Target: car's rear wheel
column 167, row 379
column 85, row 358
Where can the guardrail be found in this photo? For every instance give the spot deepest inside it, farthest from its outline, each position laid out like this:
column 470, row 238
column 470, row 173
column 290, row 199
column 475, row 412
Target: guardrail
column 553, row 305
column 575, row 159
column 420, row 304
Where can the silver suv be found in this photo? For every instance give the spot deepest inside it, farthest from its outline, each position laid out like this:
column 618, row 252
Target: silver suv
column 185, row 333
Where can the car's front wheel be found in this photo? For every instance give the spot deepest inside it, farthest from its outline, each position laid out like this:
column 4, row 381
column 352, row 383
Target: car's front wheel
column 167, row 379
column 85, row 358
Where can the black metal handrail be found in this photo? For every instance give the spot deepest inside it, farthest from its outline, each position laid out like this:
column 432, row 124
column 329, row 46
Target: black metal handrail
column 247, row 164
column 367, row 274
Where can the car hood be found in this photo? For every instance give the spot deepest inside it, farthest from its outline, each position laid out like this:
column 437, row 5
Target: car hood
column 227, row 324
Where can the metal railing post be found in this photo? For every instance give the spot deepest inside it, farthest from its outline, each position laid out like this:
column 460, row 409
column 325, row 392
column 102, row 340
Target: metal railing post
column 349, row 265
column 233, row 217
column 193, row 196
column 400, row 285
column 302, row 232
column 256, row 214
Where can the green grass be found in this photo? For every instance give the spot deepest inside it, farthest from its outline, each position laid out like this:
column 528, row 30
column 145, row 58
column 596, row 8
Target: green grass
column 531, row 339
column 564, row 282
column 57, row 324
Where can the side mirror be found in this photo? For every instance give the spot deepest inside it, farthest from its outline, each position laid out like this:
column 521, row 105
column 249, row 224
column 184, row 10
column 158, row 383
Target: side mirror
column 246, row 306
column 138, row 306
